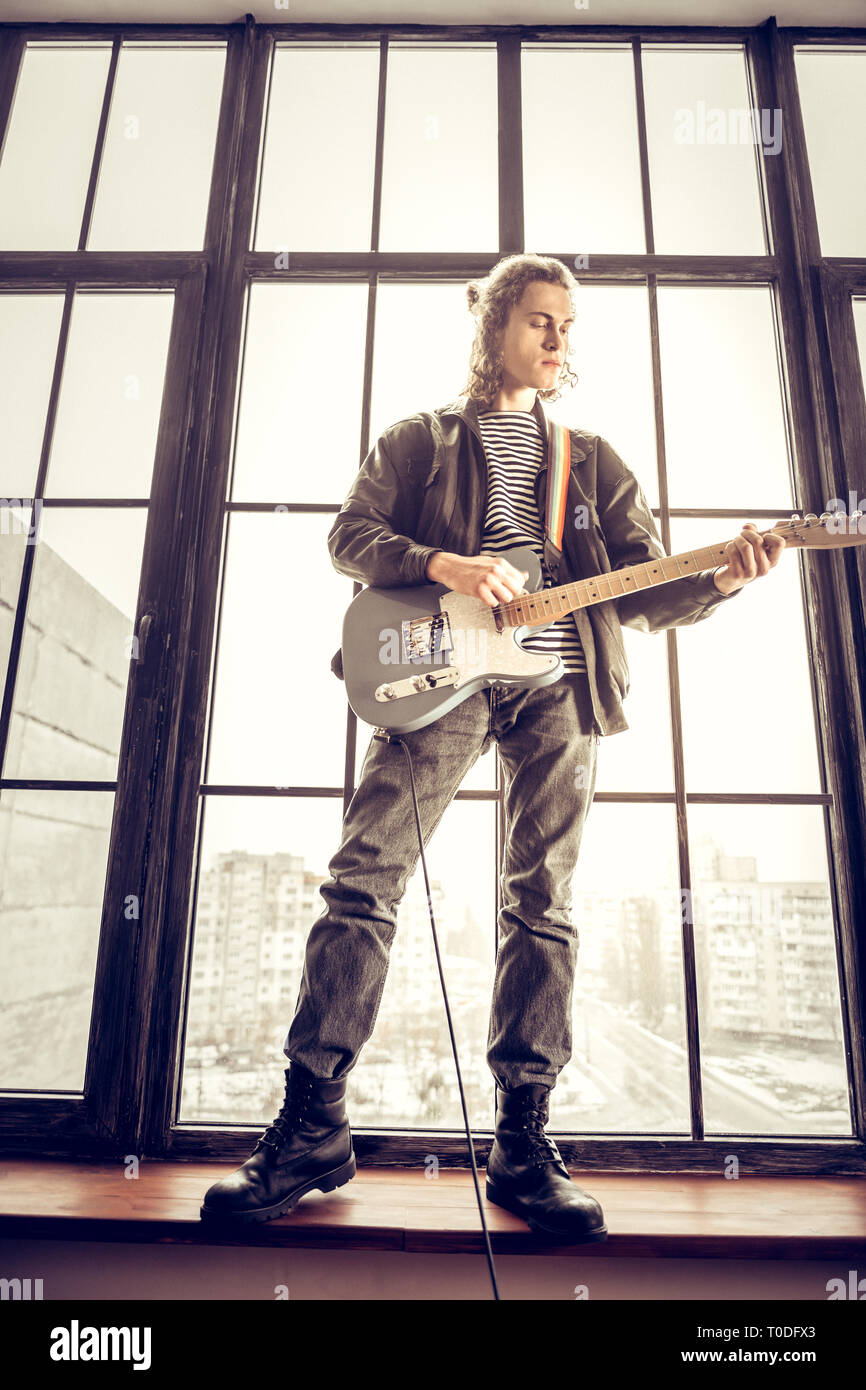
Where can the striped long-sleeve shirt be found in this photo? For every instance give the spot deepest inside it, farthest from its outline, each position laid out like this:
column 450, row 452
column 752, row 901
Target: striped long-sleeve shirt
column 514, row 448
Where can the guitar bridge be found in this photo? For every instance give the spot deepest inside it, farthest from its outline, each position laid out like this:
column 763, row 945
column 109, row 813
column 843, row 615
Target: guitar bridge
column 424, row 638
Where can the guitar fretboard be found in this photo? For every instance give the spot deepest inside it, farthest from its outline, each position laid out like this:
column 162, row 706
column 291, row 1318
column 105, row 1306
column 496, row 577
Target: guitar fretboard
column 533, row 609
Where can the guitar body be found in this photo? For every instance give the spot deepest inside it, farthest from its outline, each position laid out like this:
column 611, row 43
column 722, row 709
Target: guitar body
column 412, row 653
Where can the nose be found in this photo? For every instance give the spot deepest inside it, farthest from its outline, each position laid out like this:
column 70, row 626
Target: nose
column 556, row 342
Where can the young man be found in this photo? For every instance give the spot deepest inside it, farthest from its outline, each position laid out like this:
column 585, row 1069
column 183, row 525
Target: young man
column 437, row 498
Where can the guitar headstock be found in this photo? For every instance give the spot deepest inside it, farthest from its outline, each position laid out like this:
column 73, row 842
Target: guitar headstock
column 824, row 532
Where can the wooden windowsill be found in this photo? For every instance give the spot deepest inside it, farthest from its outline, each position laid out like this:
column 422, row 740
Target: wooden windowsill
column 386, row 1208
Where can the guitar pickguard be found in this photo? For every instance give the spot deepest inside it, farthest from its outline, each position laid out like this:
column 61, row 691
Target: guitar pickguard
column 480, row 649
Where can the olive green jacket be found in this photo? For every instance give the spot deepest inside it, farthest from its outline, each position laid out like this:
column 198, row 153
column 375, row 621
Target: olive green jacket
column 423, row 487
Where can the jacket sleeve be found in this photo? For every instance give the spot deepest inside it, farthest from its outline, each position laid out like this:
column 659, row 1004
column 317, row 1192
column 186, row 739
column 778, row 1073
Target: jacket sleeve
column 371, row 539
column 631, row 538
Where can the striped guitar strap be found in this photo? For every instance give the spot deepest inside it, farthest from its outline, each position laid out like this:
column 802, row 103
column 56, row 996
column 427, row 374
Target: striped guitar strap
column 558, row 469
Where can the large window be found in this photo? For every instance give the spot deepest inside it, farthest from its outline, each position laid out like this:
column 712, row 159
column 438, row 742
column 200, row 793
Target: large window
column 231, row 291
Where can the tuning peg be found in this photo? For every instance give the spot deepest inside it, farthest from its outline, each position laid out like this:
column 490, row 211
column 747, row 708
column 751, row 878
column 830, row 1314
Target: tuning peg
column 855, row 516
column 810, row 517
column 795, row 517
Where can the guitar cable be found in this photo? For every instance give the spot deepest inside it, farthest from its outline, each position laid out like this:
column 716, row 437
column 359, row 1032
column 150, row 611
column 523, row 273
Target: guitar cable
column 385, row 737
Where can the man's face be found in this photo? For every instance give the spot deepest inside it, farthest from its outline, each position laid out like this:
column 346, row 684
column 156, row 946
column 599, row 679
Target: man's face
column 535, row 339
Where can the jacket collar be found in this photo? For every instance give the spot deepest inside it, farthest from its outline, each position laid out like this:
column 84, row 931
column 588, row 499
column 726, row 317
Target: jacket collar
column 466, row 408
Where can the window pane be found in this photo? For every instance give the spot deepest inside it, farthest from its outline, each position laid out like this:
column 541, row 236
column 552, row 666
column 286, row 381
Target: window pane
column 748, row 723
column 48, row 151
column 327, row 144
column 701, row 142
column 154, row 180
column 726, row 442
column 29, row 325
column 640, row 759
column 629, row 1068
column 441, row 160
column 67, row 712
column 598, row 205
column 611, row 355
column 279, row 711
column 859, row 308
column 481, row 777
column 832, row 86
column 111, row 395
column 53, row 856
column 433, row 321
column 303, row 363
column 768, row 988
column 406, row 1076
column 262, row 861
column 19, row 526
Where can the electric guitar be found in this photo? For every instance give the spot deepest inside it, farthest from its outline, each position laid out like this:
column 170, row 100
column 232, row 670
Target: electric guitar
column 412, row 653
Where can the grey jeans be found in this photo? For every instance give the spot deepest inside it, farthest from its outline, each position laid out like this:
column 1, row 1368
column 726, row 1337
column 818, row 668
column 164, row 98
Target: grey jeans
column 548, row 743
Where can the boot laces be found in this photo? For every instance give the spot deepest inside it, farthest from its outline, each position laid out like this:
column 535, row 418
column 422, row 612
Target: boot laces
column 291, row 1112
column 539, row 1147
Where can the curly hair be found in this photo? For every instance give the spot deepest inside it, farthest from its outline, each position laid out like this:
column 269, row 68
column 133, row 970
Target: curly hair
column 491, row 300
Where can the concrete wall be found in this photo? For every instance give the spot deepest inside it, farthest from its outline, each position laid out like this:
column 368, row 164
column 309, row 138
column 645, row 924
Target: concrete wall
column 66, row 724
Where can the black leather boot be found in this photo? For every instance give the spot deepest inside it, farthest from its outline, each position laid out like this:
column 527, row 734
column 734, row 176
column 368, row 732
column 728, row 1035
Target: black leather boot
column 309, row 1145
column 526, row 1174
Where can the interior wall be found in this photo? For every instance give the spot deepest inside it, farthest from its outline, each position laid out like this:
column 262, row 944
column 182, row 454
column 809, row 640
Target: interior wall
column 100, row 1269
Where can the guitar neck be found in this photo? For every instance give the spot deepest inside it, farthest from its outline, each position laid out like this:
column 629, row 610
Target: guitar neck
column 534, row 610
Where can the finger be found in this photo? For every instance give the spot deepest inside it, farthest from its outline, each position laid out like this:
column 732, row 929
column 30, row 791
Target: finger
column 500, row 588
column 485, row 594
column 745, row 558
column 768, row 555
column 512, row 576
column 756, row 541
column 737, row 562
column 504, row 579
column 774, row 545
column 732, row 557
column 496, row 564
